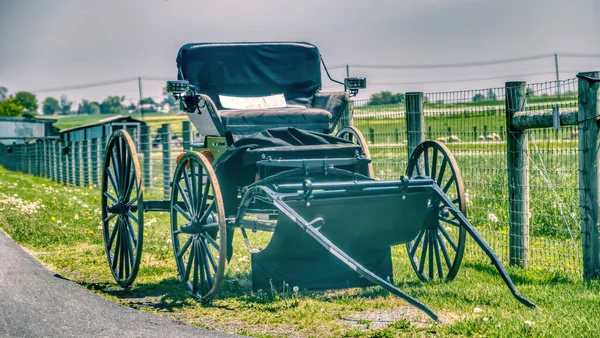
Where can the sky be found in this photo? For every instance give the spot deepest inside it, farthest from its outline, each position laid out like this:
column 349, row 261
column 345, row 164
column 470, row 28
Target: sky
column 61, row 43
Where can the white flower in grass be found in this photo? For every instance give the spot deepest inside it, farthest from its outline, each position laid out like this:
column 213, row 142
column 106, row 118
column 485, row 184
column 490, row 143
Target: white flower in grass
column 99, row 227
column 58, row 222
column 529, row 323
column 485, row 319
column 492, row 218
column 76, row 217
column 477, row 310
column 295, row 289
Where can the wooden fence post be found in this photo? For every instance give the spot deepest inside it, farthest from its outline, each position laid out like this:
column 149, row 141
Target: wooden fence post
column 165, row 132
column 187, row 135
column 518, row 177
column 589, row 171
column 146, row 147
column 415, row 121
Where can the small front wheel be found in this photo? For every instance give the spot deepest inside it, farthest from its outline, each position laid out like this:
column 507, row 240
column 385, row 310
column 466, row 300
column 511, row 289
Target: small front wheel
column 198, row 227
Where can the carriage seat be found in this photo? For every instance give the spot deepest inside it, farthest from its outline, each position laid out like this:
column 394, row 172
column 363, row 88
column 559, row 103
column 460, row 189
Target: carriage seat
column 326, row 108
column 255, row 69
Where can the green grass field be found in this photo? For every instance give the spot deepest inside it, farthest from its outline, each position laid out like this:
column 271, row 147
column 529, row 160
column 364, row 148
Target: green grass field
column 60, row 226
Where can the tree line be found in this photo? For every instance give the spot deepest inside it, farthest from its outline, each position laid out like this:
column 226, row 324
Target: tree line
column 14, row 105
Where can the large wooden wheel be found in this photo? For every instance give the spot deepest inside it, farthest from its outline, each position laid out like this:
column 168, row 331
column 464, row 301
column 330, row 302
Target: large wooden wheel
column 354, row 135
column 438, row 249
column 122, row 208
column 198, row 228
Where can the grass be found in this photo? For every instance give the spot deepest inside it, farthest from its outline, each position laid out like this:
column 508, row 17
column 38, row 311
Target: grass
column 59, row 225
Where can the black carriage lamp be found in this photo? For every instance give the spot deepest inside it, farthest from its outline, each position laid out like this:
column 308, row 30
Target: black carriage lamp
column 186, row 94
column 26, row 114
column 351, row 84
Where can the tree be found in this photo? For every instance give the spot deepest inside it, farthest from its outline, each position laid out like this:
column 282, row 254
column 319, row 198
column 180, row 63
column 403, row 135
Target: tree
column 478, row 98
column 50, row 106
column 65, row 105
column 386, row 97
column 168, row 98
column 112, row 105
column 529, row 92
column 491, row 96
column 147, row 100
column 28, row 101
column 9, row 106
column 88, row 108
column 3, row 93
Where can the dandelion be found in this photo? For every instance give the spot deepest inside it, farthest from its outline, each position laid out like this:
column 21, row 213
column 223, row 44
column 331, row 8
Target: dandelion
column 529, row 323
column 76, row 217
column 485, row 319
column 492, row 218
column 59, row 222
column 477, row 310
column 53, row 218
column 90, row 232
column 100, row 227
column 295, row 289
column 169, row 241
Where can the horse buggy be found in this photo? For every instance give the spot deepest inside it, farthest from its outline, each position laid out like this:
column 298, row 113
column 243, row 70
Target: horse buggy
column 287, row 169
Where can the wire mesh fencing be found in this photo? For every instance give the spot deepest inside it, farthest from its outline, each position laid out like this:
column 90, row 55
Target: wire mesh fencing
column 472, row 124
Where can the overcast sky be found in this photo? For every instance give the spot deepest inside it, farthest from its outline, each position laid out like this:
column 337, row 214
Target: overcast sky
column 49, row 44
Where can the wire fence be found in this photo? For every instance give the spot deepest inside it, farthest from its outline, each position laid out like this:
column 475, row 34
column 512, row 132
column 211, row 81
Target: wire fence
column 471, row 123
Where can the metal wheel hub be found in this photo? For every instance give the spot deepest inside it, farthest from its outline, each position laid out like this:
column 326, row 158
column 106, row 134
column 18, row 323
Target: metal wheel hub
column 118, row 208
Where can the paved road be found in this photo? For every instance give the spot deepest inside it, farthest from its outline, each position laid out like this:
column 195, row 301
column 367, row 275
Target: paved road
column 36, row 303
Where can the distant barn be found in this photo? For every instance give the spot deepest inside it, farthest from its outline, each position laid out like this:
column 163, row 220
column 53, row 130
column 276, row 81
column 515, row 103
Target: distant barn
column 19, row 130
column 104, row 128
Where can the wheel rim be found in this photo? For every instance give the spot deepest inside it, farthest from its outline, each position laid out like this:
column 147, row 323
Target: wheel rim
column 438, row 249
column 122, row 208
column 354, row 135
column 198, row 228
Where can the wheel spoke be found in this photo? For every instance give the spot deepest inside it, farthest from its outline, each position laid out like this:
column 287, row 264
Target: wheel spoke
column 188, row 187
column 442, row 171
column 126, row 174
column 123, row 252
column 110, row 197
column 192, row 191
column 183, row 213
column 132, row 233
column 132, row 216
column 212, row 242
column 112, row 180
column 116, row 169
column 129, row 188
column 444, row 250
column 131, row 202
column 206, row 269
column 426, row 161
column 207, row 212
column 130, row 244
column 413, row 250
column 117, row 247
column 211, row 258
column 110, row 217
column 185, row 197
column 424, row 251
column 451, row 221
column 431, row 247
column 434, row 163
column 196, row 268
column 448, row 238
column 185, row 247
column 449, row 183
column 202, row 206
column 126, row 249
column 188, row 268
column 112, row 236
column 438, row 261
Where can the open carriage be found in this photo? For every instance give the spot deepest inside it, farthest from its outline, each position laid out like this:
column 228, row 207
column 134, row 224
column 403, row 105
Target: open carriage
column 285, row 170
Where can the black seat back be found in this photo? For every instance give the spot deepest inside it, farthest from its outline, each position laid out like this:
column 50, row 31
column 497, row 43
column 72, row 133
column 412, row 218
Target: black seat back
column 252, row 69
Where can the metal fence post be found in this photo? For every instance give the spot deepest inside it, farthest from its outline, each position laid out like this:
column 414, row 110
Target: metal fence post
column 165, row 132
column 94, row 160
column 187, row 135
column 589, row 171
column 518, row 177
column 85, row 154
column 415, row 120
column 146, row 148
column 71, row 162
column 77, row 162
